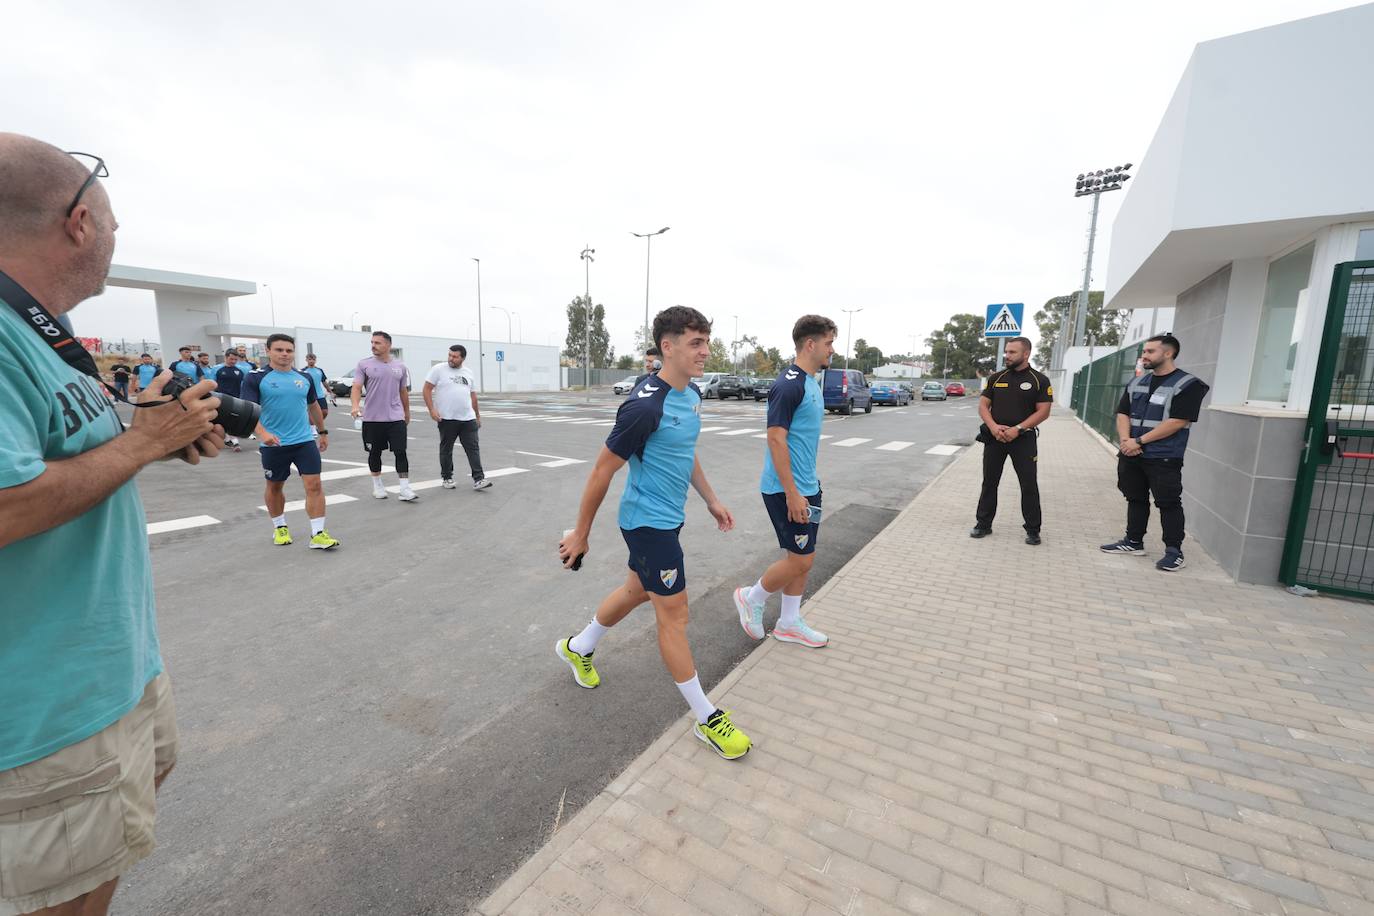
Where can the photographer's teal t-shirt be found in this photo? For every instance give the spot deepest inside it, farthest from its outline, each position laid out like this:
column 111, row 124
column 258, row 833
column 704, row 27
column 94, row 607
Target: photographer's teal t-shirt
column 78, row 635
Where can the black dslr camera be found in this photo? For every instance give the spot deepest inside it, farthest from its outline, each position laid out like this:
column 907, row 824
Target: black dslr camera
column 238, row 417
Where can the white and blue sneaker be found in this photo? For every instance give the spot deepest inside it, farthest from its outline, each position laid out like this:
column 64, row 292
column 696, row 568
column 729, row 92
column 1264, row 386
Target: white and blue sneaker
column 1172, row 561
column 750, row 615
column 800, row 633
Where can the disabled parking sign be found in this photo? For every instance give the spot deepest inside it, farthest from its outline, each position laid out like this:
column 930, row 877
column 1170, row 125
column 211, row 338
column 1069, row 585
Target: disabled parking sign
column 1004, row 319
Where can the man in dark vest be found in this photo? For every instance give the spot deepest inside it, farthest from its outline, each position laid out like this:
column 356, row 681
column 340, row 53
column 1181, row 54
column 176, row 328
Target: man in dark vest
column 1152, row 423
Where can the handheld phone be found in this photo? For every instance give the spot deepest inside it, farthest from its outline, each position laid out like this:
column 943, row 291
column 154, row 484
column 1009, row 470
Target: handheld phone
column 577, row 560
column 815, row 513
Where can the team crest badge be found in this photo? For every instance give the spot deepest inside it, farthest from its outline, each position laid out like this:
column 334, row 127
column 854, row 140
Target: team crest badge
column 667, row 577
column 801, row 540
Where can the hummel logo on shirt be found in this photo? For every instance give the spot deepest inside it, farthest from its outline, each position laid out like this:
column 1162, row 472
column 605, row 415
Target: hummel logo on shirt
column 648, row 391
column 791, row 374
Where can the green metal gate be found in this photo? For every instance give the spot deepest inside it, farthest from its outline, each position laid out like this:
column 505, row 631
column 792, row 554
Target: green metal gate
column 1330, row 544
column 1098, row 386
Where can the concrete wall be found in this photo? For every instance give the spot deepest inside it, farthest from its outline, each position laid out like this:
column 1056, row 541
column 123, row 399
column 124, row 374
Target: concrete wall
column 1242, row 461
column 526, row 367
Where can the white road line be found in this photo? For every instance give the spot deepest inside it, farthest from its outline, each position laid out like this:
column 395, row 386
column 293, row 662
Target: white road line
column 587, row 420
column 352, row 472
column 850, row 443
column 760, row 435
column 181, row 524
column 895, row 446
column 826, row 436
column 560, row 419
column 558, row 460
column 738, row 432
column 943, row 450
column 506, row 472
column 356, row 464
column 332, row 499
column 712, row 429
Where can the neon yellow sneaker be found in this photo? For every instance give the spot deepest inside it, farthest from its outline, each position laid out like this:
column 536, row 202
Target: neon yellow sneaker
column 583, row 671
column 323, row 541
column 281, row 536
column 726, row 740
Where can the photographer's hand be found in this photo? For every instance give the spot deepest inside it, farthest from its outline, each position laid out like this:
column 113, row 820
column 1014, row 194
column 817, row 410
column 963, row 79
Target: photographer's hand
column 173, row 428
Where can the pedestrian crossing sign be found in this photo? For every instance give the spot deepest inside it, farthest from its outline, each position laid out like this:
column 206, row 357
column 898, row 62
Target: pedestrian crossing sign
column 1004, row 319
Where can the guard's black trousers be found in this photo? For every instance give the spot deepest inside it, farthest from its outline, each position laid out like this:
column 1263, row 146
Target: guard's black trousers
column 1138, row 478
column 1023, row 453
column 466, row 432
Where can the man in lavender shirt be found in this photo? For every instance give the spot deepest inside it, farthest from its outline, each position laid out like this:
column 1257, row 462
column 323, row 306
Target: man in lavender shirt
column 386, row 413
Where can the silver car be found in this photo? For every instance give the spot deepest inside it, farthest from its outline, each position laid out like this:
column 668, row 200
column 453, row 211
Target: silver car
column 933, row 391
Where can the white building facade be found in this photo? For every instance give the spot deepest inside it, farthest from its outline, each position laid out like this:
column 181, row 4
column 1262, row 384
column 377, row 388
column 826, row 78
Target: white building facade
column 1256, row 185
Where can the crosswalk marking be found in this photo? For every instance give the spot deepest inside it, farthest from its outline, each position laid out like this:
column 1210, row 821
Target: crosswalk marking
column 333, row 499
column 438, row 482
column 181, row 524
column 351, row 472
column 737, row 432
column 712, row 429
column 558, row 460
column 943, row 450
column 849, row 443
column 895, row 446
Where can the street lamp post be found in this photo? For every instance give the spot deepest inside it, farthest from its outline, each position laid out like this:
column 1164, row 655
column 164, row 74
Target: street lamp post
column 849, row 333
column 587, row 259
column 1094, row 183
column 481, row 357
column 949, row 342
column 351, row 319
column 648, row 238
column 272, row 303
column 734, row 347
column 519, row 328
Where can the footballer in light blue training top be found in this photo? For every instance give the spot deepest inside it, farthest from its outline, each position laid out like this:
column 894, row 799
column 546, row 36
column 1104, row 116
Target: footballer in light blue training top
column 791, row 487
column 655, row 432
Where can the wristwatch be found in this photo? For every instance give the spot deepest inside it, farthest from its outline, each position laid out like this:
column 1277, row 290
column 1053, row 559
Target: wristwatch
column 1020, row 429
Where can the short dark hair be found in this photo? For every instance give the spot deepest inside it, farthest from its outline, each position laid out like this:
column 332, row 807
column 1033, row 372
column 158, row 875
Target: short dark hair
column 382, row 334
column 179, row 349
column 1169, row 341
column 677, row 320
column 809, row 326
column 653, row 351
column 1025, row 341
column 311, row 356
column 459, row 349
column 229, row 353
column 149, row 355
column 276, row 337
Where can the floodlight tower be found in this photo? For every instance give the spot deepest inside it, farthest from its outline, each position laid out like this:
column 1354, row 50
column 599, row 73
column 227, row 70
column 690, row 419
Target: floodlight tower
column 1094, row 183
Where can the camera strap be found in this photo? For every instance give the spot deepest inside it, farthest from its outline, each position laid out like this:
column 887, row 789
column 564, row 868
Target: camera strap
column 46, row 326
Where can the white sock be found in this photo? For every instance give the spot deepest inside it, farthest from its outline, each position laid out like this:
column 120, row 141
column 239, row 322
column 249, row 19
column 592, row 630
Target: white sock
column 405, row 483
column 791, row 610
column 758, row 594
column 378, row 485
column 696, row 698
column 316, row 525
column 279, row 521
column 584, row 643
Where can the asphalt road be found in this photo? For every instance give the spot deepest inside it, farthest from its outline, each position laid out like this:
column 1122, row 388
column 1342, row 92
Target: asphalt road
column 384, row 727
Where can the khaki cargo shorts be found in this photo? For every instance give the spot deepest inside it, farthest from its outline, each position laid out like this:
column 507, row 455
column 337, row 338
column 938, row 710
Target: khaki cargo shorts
column 73, row 820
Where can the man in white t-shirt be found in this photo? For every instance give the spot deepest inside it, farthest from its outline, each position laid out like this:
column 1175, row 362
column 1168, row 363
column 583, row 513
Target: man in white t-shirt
column 452, row 402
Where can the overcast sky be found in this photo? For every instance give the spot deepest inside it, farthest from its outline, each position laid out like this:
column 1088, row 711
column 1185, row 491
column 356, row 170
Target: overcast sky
column 808, row 157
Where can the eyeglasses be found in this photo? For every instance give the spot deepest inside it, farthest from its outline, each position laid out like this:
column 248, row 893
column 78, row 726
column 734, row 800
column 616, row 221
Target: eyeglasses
column 98, row 171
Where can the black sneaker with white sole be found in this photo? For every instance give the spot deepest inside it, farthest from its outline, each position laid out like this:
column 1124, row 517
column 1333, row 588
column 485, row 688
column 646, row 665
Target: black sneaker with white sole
column 1172, row 561
column 1125, row 545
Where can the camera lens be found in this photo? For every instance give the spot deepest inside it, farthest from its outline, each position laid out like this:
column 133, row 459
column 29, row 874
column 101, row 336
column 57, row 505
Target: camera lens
column 238, row 417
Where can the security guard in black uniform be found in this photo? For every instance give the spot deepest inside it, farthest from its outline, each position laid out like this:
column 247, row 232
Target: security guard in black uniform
column 1015, row 401
column 1152, row 423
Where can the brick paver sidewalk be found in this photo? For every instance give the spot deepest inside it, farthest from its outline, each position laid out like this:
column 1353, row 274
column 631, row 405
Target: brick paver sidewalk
column 997, row 728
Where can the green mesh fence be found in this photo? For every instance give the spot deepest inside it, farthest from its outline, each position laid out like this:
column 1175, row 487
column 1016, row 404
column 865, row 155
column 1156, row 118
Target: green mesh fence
column 1097, row 389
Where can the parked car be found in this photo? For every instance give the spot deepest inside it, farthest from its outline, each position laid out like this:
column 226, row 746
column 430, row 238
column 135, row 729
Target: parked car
column 709, row 384
column 733, row 386
column 890, row 393
column 845, row 389
column 342, row 387
column 955, row 389
column 762, row 387
column 933, row 391
column 624, row 385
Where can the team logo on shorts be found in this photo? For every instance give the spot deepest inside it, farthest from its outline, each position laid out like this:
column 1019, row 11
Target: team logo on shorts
column 801, row 540
column 667, row 577
column 267, row 474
